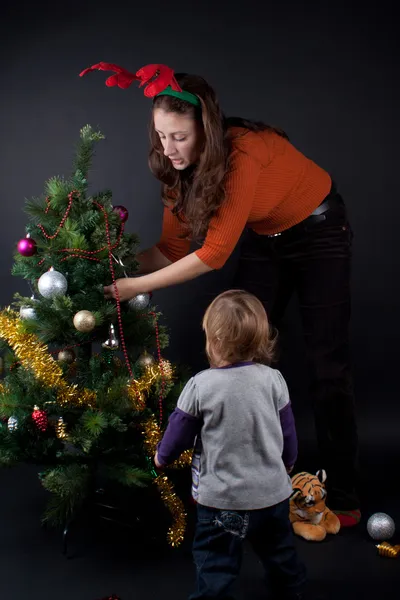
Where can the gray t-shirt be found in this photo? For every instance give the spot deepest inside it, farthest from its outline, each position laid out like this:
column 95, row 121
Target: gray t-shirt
column 237, row 462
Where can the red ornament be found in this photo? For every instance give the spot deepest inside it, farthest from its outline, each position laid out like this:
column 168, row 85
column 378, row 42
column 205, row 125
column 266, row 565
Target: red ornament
column 40, row 418
column 27, row 246
column 122, row 212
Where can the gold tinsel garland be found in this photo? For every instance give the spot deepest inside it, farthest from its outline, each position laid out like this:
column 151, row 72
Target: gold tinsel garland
column 152, row 435
column 175, row 506
column 34, row 355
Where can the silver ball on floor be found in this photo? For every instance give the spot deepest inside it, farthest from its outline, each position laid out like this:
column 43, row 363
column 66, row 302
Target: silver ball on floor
column 380, row 526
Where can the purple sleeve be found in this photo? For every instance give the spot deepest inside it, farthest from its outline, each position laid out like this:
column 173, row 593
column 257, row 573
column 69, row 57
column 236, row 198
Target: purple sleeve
column 289, row 454
column 179, row 436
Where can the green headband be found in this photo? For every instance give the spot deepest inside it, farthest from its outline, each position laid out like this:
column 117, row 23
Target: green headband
column 191, row 98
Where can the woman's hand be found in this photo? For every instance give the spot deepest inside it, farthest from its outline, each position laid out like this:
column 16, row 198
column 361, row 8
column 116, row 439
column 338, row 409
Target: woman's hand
column 128, row 287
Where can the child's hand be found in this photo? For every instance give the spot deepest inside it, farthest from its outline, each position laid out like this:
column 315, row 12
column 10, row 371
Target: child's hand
column 156, row 462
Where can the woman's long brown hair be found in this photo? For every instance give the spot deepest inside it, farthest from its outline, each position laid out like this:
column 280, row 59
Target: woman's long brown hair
column 197, row 192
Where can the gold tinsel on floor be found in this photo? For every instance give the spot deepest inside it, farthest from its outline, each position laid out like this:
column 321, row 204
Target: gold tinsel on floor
column 34, row 355
column 386, row 549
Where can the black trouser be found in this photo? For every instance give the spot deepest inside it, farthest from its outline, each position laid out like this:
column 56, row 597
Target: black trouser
column 313, row 259
column 218, row 543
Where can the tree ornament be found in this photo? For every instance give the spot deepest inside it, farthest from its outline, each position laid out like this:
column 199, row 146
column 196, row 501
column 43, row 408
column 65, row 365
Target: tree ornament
column 27, row 246
column 386, row 549
column 66, row 356
column 12, row 424
column 122, row 212
column 166, row 368
column 52, row 284
column 139, row 302
column 380, row 526
column 40, row 418
column 61, row 429
column 146, row 360
column 28, row 312
column 84, row 321
column 112, row 342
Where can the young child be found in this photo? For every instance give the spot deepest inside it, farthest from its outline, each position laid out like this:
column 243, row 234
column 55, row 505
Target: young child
column 238, row 414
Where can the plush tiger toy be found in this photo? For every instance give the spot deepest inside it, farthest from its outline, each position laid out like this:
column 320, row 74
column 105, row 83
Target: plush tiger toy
column 309, row 515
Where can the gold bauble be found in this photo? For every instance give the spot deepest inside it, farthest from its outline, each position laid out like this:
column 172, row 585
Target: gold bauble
column 84, row 321
column 67, row 356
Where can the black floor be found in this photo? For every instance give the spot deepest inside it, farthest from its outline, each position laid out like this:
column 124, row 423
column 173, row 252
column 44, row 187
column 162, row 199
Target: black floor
column 104, row 559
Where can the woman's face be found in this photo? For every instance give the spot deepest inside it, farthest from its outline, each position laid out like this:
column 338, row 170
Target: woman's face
column 181, row 136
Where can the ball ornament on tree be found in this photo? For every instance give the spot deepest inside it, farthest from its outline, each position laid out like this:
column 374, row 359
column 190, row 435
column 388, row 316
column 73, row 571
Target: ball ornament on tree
column 139, row 302
column 27, row 246
column 122, row 212
column 146, row 360
column 84, row 321
column 28, row 312
column 66, row 356
column 52, row 284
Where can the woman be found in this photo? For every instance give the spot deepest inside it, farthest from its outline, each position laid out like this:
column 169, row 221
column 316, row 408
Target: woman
column 222, row 176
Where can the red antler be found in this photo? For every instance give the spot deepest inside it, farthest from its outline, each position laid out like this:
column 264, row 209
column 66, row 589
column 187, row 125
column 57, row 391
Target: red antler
column 122, row 77
column 159, row 76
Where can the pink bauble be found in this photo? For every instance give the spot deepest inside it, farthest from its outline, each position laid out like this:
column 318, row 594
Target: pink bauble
column 122, row 211
column 27, row 246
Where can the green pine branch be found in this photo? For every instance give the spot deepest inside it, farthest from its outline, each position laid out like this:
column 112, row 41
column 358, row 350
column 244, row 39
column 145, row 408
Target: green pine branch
column 69, row 486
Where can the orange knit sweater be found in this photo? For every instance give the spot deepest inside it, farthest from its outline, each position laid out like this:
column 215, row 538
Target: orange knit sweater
column 270, row 187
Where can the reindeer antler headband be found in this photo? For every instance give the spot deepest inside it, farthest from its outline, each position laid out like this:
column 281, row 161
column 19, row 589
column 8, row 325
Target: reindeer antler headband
column 160, row 80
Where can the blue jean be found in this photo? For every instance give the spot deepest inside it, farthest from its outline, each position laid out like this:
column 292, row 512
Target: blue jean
column 218, row 544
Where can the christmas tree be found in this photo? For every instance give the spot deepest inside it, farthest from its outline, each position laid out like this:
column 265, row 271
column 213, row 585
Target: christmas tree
column 87, row 390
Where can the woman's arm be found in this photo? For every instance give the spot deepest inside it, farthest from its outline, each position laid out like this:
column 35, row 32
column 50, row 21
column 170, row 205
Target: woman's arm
column 186, row 268
column 151, row 260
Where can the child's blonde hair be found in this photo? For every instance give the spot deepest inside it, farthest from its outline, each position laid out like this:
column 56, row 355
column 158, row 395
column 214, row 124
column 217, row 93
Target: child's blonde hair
column 237, row 329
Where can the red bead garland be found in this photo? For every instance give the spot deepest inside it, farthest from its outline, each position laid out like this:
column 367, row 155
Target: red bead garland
column 89, row 255
column 61, row 225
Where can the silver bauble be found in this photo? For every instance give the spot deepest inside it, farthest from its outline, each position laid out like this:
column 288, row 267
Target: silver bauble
column 27, row 312
column 139, row 302
column 12, row 423
column 380, row 526
column 52, row 283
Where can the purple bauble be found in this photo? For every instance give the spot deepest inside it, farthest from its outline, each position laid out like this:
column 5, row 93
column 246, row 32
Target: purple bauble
column 27, row 246
column 122, row 211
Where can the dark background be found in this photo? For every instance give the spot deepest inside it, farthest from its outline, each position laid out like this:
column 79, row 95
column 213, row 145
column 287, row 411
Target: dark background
column 326, row 72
